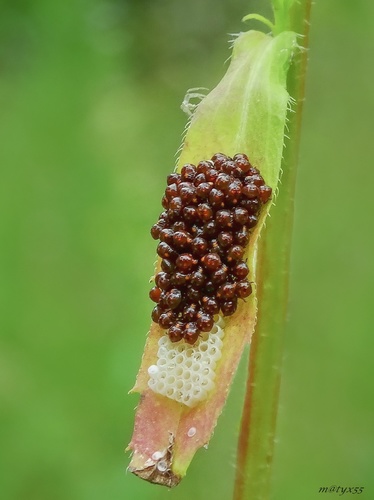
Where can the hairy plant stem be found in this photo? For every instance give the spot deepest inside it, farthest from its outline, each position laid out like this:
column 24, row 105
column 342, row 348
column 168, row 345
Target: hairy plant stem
column 256, row 438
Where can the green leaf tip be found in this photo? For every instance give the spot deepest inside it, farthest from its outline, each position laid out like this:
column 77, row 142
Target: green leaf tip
column 245, row 113
column 258, row 17
column 247, row 110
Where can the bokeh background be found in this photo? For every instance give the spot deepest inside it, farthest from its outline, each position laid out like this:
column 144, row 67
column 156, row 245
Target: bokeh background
column 89, row 124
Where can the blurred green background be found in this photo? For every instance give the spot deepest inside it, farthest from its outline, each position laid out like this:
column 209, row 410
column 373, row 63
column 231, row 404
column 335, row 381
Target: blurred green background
column 90, row 121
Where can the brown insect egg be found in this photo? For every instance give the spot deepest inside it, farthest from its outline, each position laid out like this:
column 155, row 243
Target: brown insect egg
column 179, row 226
column 162, row 280
column 209, row 229
column 226, row 291
column 155, row 231
column 165, row 202
column 252, row 221
column 258, row 180
column 204, row 322
column 176, row 204
column 173, row 178
column 205, row 212
column 219, row 276
column 199, row 246
column 193, row 295
column 216, row 198
column 173, row 215
column 190, row 214
column 162, row 302
column 225, row 239
column 215, row 248
column 252, row 206
column 175, row 332
column 224, row 218
column 265, row 193
column 171, row 191
column 203, row 190
column 243, row 289
column 242, row 161
column 199, row 179
column 228, row 167
column 209, row 288
column 185, row 262
column 233, row 192
column 236, row 252
column 228, row 307
column 204, row 166
column 210, row 305
column 242, row 237
column 250, row 191
column 181, row 239
column 223, row 181
column 174, row 298
column 211, row 175
column 197, row 231
column 238, row 172
column 253, row 171
column 191, row 333
column 240, row 216
column 189, row 313
column 188, row 195
column 156, row 312
column 197, row 279
column 155, row 294
column 188, row 172
column 163, row 220
column 166, row 319
column 179, row 279
column 165, row 251
column 166, row 235
column 211, row 261
column 240, row 270
column 167, row 266
column 219, row 159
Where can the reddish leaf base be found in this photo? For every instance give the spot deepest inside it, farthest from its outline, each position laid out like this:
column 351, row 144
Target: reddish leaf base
column 167, row 434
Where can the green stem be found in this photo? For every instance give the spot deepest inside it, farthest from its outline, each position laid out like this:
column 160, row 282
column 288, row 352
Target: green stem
column 256, row 439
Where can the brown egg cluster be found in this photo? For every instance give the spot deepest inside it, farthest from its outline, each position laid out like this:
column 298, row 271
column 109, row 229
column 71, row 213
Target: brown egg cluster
column 210, row 210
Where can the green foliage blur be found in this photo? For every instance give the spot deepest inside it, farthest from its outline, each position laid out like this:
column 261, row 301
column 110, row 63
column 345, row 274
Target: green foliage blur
column 89, row 124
